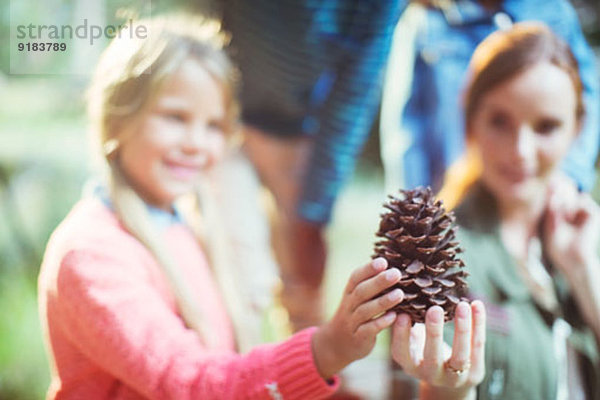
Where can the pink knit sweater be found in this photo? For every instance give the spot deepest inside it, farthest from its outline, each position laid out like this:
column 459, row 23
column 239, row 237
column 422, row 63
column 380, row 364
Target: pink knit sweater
column 113, row 330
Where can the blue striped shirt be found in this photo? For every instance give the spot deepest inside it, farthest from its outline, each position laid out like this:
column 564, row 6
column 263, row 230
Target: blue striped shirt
column 314, row 68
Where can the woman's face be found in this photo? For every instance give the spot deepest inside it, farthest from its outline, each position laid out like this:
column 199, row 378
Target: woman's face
column 523, row 128
column 181, row 135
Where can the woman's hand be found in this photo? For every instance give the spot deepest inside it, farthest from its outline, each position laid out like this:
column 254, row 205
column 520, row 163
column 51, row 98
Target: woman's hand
column 572, row 231
column 350, row 334
column 445, row 373
column 571, row 239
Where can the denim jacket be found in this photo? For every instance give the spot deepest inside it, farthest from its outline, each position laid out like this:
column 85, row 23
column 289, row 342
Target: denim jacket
column 444, row 45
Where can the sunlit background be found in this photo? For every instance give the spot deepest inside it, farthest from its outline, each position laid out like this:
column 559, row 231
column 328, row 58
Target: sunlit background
column 43, row 163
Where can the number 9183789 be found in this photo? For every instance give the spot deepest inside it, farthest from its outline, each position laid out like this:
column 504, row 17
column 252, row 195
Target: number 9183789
column 41, row 46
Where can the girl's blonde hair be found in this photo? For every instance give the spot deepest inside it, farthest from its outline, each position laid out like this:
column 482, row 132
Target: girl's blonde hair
column 500, row 57
column 126, row 82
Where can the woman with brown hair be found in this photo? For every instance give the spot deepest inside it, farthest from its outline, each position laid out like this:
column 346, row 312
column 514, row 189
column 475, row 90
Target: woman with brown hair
column 531, row 238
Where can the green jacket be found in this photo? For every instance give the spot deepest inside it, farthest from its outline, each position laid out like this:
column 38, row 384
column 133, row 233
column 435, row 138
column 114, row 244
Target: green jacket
column 520, row 361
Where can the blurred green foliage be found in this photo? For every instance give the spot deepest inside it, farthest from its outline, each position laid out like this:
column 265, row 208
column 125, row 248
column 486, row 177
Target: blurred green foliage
column 42, row 166
column 22, row 358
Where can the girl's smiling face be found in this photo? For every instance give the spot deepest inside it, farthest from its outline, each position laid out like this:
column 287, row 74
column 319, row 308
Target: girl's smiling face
column 523, row 128
column 181, row 135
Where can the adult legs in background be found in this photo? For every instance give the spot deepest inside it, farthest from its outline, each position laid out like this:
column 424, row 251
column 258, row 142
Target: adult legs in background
column 299, row 245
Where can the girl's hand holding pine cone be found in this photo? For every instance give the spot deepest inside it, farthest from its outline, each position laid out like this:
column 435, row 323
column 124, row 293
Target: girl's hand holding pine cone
column 361, row 315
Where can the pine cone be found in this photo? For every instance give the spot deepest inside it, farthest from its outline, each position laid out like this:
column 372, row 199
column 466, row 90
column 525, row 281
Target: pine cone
column 418, row 239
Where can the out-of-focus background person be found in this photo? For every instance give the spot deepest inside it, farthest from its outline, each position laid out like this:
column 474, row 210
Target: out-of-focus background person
column 311, row 83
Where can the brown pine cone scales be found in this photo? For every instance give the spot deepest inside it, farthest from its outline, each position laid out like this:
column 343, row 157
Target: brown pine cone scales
column 419, row 240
